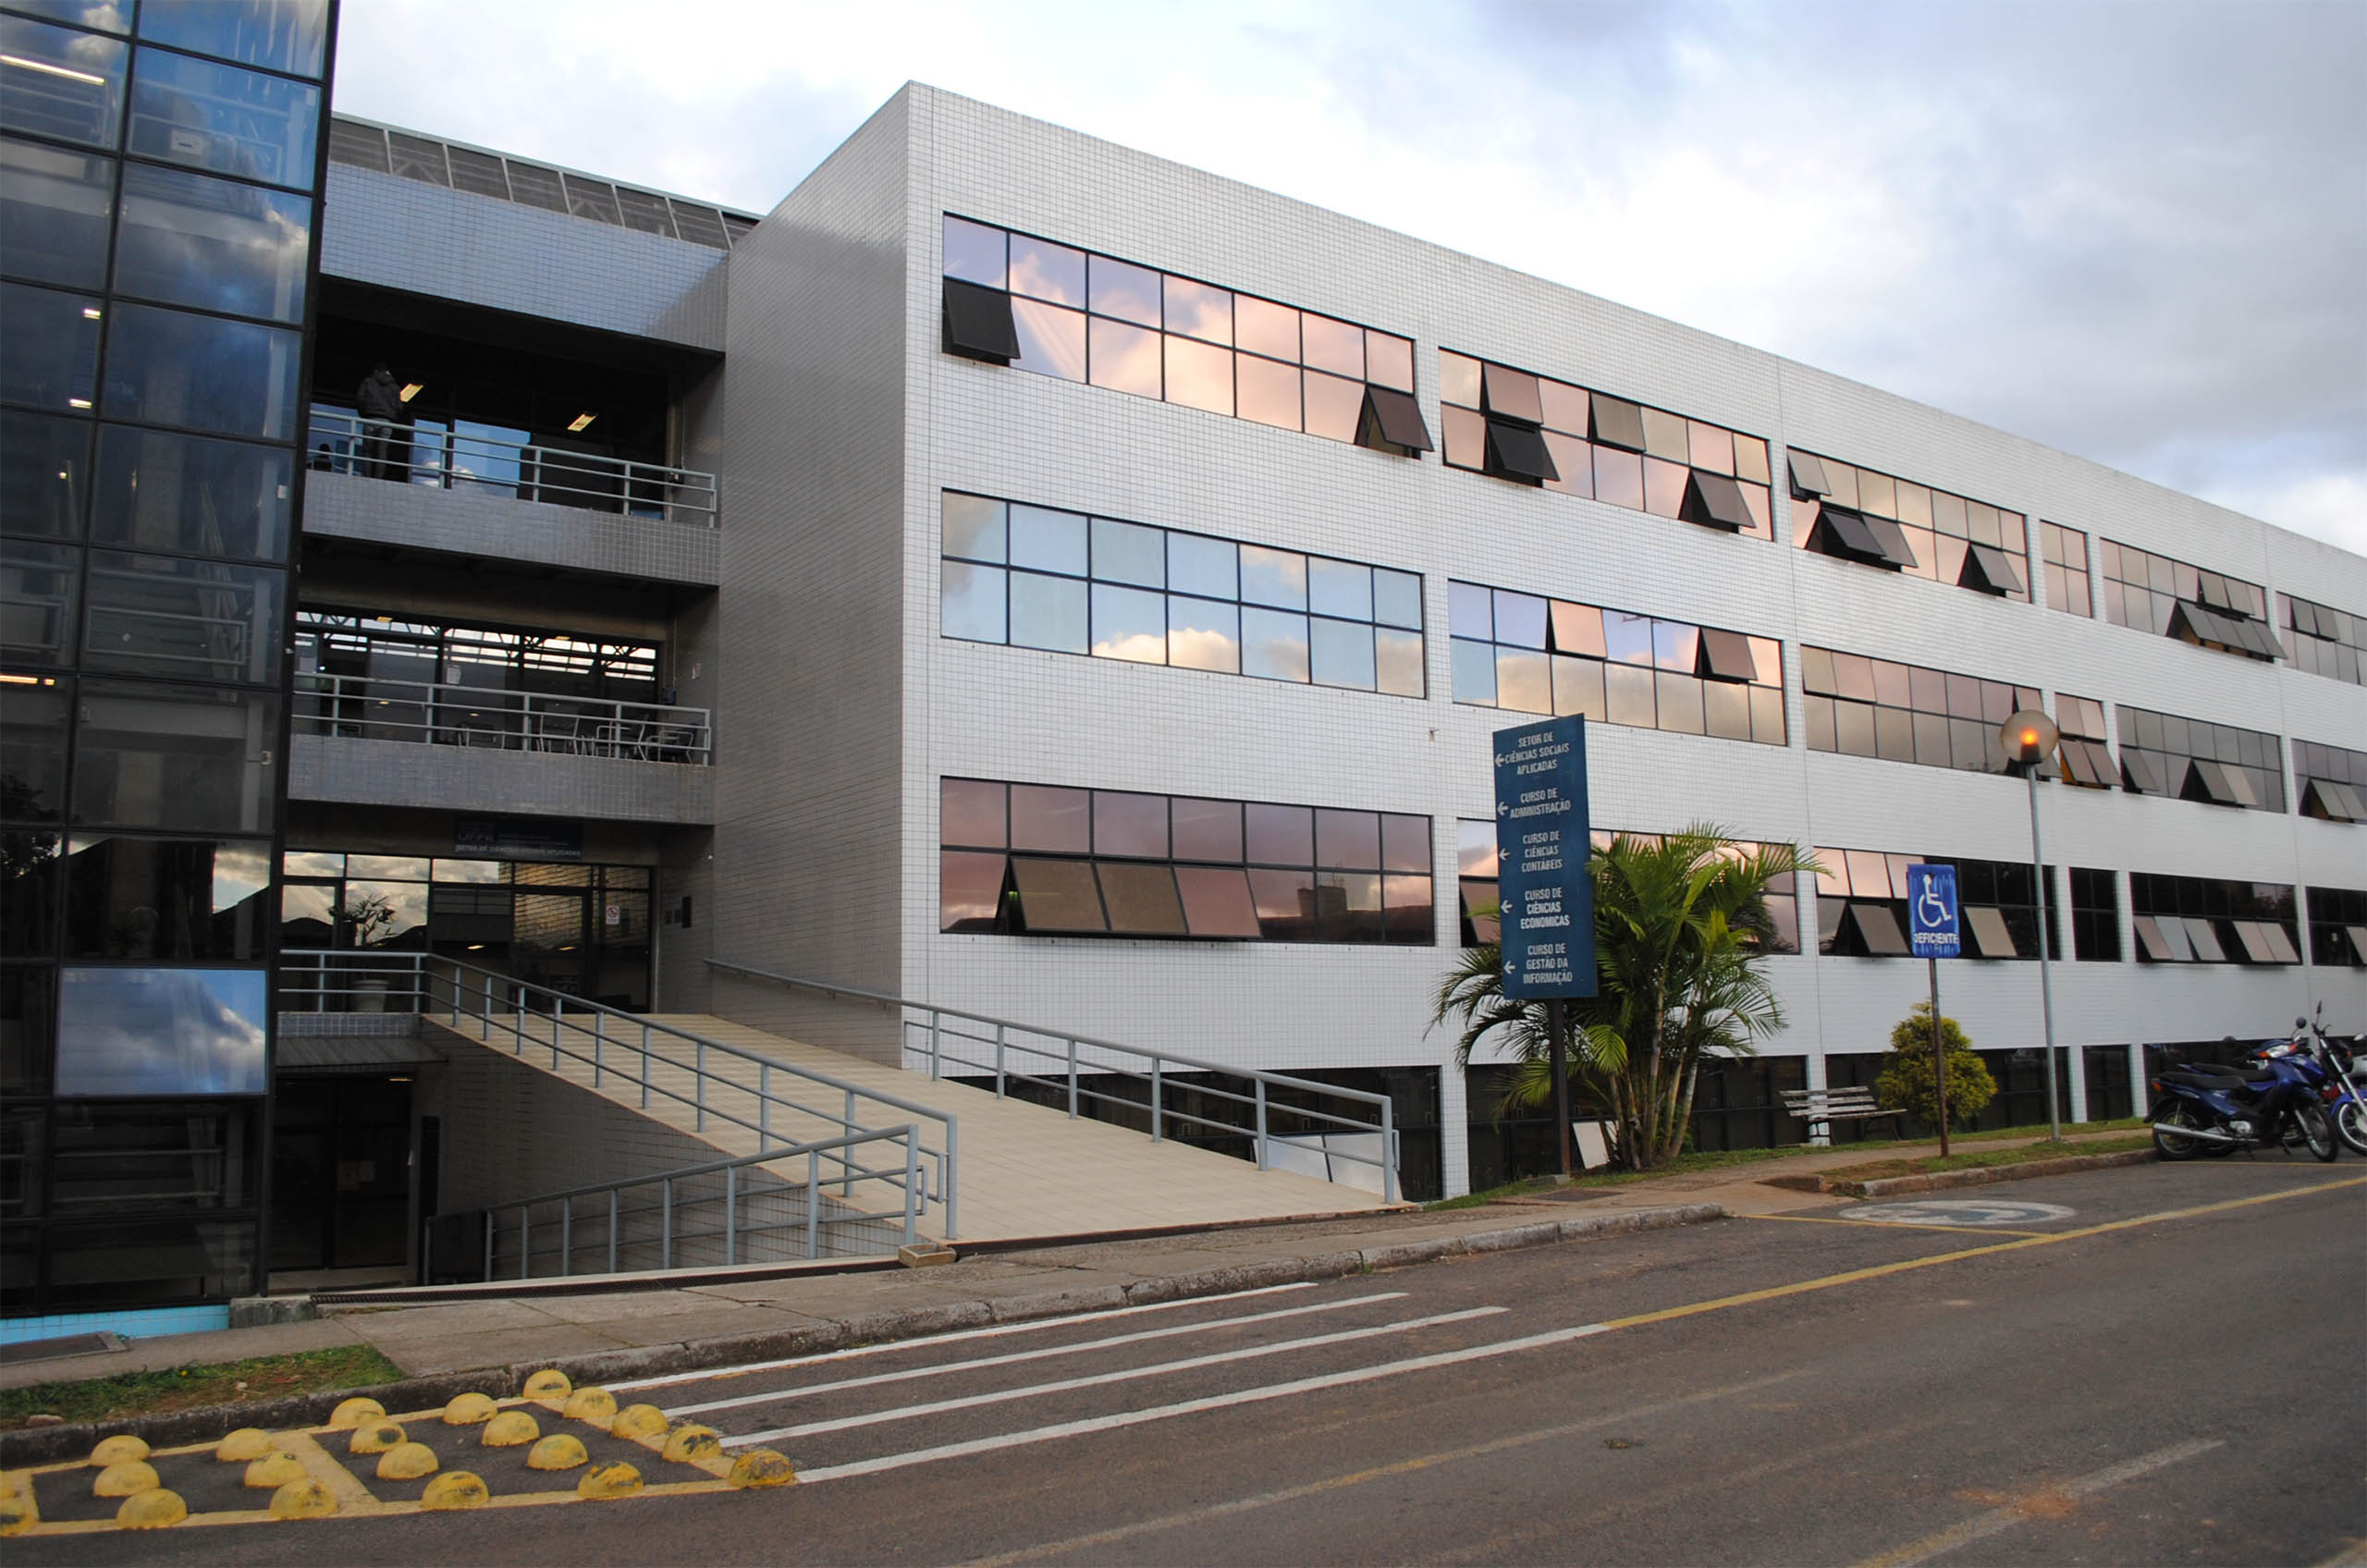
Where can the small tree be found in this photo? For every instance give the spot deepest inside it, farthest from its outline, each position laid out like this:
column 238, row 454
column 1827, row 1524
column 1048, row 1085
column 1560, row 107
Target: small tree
column 1906, row 1079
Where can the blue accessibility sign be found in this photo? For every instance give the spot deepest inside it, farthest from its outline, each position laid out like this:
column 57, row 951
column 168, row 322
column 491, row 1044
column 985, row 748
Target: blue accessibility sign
column 1931, row 912
column 1543, row 891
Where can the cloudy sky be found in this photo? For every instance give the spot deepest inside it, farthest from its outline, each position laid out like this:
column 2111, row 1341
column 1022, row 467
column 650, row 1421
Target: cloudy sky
column 2134, row 231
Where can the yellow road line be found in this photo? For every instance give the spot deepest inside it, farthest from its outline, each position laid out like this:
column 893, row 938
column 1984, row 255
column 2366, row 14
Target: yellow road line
column 1888, row 1225
column 343, row 1483
column 1851, row 1277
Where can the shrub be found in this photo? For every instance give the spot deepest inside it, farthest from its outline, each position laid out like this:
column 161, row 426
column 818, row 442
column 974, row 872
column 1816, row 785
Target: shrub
column 1905, row 1082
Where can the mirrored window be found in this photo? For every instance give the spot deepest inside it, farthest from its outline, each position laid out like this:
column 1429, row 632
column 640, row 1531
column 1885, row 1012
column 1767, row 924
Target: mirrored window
column 60, row 83
column 54, row 212
column 191, row 494
column 278, row 36
column 125, row 1031
column 222, row 119
column 218, row 245
column 39, row 587
column 179, row 758
column 49, row 355
column 224, row 377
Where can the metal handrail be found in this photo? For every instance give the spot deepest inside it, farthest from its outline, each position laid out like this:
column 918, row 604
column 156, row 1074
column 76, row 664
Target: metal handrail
column 1078, row 1054
column 706, row 1061
column 343, row 442
column 369, row 707
column 672, row 1232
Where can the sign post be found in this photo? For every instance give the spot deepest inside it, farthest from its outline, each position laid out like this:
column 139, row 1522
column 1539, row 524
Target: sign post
column 1544, row 896
column 1932, row 935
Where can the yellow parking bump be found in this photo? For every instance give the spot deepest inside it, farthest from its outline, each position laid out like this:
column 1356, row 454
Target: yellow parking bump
column 354, row 1412
column 275, row 1470
column 691, row 1442
column 549, row 1383
column 455, row 1488
column 560, row 1450
column 408, row 1462
column 118, row 1451
column 18, row 1512
column 511, row 1429
column 126, row 1478
column 639, row 1422
column 342, row 1484
column 151, row 1510
column 762, row 1467
column 591, row 1405
column 376, row 1437
column 469, row 1409
column 306, row 1499
column 243, row 1446
column 607, row 1482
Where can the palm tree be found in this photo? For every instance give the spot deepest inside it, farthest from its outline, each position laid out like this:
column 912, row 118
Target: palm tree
column 1681, row 929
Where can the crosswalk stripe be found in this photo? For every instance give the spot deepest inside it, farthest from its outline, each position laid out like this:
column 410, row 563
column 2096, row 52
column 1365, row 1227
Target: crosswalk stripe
column 1015, row 1356
column 1191, row 1406
column 1098, row 1380
column 992, row 1331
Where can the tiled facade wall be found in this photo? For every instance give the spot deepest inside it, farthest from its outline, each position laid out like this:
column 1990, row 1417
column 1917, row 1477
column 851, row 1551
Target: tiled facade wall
column 1009, row 713
column 427, row 239
column 528, row 533
column 481, row 779
column 809, row 623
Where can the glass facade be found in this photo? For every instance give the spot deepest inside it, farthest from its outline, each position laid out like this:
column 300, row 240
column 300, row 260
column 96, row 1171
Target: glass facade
column 2204, row 920
column 2155, row 593
column 1035, row 576
column 159, row 179
column 1864, row 515
column 1038, row 860
column 1534, row 655
column 2067, row 569
column 1534, row 430
column 2332, row 781
column 1061, row 312
column 1870, row 707
column 1861, row 905
column 2191, row 759
column 2325, row 641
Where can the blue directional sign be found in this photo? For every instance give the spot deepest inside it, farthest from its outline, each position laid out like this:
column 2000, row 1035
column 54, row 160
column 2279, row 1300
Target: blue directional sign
column 1542, row 841
column 1931, row 912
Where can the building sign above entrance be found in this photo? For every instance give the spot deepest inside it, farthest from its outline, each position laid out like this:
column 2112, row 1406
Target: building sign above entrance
column 512, row 837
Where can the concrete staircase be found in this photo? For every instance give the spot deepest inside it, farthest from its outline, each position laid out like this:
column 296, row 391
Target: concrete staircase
column 1023, row 1170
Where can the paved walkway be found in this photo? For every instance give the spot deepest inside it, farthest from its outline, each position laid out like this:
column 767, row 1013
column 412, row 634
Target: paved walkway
column 497, row 1331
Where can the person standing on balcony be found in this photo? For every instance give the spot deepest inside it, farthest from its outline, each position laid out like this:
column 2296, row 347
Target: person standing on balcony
column 379, row 400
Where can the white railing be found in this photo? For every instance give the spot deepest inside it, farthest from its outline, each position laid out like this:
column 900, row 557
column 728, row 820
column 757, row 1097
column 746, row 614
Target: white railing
column 367, row 707
column 1077, row 1070
column 725, row 1213
column 637, row 1052
column 343, row 442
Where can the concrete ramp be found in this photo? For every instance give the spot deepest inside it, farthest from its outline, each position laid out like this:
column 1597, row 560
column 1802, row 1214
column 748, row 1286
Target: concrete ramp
column 1025, row 1171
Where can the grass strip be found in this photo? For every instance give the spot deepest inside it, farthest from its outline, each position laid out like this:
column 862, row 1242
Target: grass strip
column 189, row 1387
column 1974, row 1159
column 1718, row 1160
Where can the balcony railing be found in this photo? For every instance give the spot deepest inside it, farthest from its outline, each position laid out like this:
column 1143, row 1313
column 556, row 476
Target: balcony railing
column 364, row 707
column 430, row 454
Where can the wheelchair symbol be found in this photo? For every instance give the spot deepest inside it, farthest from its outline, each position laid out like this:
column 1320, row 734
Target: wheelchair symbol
column 1932, row 910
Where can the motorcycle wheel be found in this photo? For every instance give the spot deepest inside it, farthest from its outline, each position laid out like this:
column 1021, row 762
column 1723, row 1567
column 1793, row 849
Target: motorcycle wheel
column 2171, row 1145
column 2317, row 1131
column 2350, row 1124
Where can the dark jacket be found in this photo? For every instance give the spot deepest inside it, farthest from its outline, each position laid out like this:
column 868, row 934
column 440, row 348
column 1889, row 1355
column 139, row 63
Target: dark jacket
column 380, row 397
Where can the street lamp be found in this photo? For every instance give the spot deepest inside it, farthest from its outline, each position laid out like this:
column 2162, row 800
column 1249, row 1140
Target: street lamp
column 2029, row 738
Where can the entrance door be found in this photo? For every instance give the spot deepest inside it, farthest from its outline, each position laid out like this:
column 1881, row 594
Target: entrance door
column 550, row 939
column 341, row 1173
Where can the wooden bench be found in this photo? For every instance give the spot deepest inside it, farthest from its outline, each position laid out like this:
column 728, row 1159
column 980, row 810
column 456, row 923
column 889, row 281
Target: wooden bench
column 1826, row 1107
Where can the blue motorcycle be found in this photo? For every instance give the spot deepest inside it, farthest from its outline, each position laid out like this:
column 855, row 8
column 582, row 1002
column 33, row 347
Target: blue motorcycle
column 2216, row 1110
column 2334, row 1069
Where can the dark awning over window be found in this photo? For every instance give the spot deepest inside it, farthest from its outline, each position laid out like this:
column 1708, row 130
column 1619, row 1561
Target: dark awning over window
column 1990, row 936
column 1808, row 476
column 1514, row 451
column 2206, row 780
column 2142, row 777
column 1725, row 655
column 2238, row 634
column 978, row 323
column 1842, row 532
column 1878, row 929
column 1989, row 570
column 1714, row 501
column 1391, row 422
column 2335, row 801
column 1896, row 551
column 1617, row 422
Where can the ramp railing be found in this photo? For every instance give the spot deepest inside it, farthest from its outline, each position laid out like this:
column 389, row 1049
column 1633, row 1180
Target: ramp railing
column 751, row 1209
column 1295, row 1123
column 657, row 1062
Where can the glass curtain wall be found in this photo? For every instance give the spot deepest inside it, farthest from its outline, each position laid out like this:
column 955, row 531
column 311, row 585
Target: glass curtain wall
column 160, row 176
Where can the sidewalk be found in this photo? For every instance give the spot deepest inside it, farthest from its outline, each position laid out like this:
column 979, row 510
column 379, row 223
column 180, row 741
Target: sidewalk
column 627, row 1332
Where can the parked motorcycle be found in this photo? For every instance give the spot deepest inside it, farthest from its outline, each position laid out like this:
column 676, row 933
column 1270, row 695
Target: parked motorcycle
column 2334, row 1069
column 2214, row 1111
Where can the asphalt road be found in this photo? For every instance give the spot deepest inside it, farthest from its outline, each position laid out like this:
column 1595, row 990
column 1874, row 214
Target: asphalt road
column 2185, row 1384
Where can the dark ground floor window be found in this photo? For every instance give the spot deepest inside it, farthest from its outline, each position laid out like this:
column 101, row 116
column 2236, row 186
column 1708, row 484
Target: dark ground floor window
column 1736, row 1105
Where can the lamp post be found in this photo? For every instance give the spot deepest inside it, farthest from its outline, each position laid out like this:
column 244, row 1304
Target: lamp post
column 2029, row 738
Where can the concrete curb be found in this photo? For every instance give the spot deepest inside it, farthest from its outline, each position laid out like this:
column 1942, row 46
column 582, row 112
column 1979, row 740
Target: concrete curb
column 51, row 1445
column 1982, row 1176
